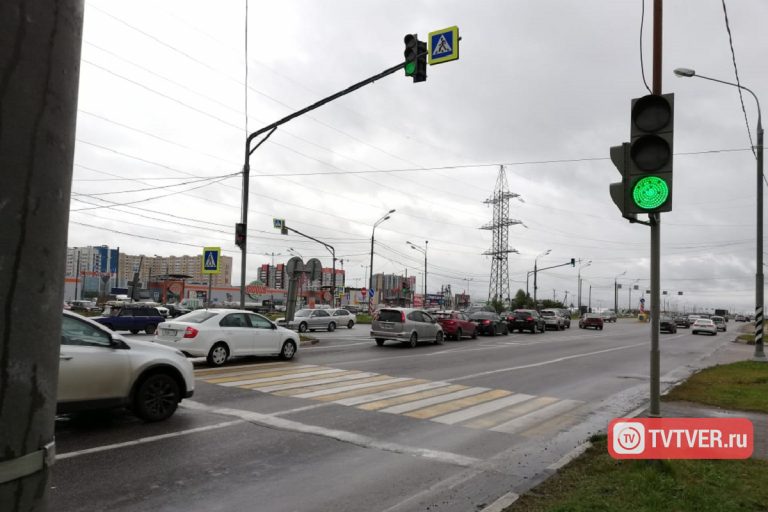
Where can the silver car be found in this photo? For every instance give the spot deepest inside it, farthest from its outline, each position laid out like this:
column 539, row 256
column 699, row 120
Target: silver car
column 405, row 325
column 310, row 320
column 552, row 319
column 343, row 317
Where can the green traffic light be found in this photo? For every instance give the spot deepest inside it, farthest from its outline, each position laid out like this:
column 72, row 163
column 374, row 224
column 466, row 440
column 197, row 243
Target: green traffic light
column 650, row 192
column 410, row 68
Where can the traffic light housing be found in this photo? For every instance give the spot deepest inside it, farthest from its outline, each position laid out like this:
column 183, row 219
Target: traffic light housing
column 415, row 58
column 240, row 235
column 573, row 262
column 650, row 154
column 621, row 191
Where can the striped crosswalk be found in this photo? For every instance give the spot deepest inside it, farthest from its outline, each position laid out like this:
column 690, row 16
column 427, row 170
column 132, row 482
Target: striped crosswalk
column 496, row 410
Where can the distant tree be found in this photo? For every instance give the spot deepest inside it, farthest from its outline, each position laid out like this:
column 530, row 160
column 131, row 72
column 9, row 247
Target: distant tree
column 497, row 304
column 522, row 300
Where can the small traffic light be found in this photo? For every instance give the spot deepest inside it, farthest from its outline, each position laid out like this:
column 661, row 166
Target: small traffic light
column 650, row 154
column 620, row 191
column 415, row 58
column 573, row 262
column 240, row 235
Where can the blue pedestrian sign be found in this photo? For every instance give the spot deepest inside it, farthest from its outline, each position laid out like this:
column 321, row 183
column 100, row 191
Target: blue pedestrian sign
column 211, row 259
column 443, row 45
column 371, row 292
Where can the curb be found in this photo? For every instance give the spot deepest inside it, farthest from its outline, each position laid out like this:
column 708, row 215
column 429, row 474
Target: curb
column 311, row 341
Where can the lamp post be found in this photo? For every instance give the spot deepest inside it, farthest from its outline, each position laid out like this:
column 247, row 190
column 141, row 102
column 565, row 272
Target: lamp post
column 759, row 352
column 370, row 278
column 535, row 271
column 616, row 292
column 424, row 251
column 585, row 265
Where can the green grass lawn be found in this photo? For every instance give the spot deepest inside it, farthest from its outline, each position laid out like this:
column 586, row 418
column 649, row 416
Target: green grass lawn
column 597, row 482
column 741, row 386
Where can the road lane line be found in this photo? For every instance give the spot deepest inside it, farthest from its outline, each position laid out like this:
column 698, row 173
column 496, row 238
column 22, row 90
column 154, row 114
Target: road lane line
column 544, row 363
column 144, row 440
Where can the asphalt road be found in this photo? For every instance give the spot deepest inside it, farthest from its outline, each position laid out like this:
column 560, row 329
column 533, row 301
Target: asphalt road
column 349, row 426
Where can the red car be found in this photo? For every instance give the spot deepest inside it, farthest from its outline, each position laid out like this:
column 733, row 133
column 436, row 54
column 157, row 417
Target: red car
column 456, row 324
column 591, row 320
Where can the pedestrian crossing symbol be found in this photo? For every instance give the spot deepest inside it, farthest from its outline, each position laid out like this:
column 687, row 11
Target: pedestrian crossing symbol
column 443, row 45
column 211, row 258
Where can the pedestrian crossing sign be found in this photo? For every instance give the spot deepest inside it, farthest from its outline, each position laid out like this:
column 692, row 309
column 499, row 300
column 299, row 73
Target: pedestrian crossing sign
column 211, row 259
column 443, row 45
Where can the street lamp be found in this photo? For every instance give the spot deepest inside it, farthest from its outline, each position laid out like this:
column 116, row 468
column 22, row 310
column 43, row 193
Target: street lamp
column 535, row 270
column 585, row 265
column 759, row 353
column 294, row 252
column 616, row 292
column 370, row 278
column 424, row 251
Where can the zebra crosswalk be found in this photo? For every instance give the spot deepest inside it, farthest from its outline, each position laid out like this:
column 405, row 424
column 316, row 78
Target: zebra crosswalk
column 497, row 410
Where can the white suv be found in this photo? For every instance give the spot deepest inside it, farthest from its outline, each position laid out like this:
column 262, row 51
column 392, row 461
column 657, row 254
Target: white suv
column 99, row 369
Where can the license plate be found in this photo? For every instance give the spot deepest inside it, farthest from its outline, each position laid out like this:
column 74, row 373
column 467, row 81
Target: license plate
column 167, row 332
column 387, row 327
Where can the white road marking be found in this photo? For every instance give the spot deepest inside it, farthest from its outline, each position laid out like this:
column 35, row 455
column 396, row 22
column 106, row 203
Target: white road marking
column 255, row 370
column 144, row 440
column 333, row 391
column 419, row 404
column 391, row 393
column 480, row 409
column 348, row 376
column 532, row 418
column 286, row 376
column 543, row 363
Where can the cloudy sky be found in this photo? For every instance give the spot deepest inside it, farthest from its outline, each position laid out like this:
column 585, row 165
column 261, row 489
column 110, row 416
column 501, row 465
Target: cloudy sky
column 542, row 88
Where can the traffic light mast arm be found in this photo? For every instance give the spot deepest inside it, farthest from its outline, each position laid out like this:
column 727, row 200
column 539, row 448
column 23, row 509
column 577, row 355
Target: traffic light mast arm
column 553, row 266
column 320, row 103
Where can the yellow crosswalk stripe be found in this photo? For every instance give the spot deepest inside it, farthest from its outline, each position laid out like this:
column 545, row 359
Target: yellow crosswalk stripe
column 455, row 405
column 261, row 374
column 240, row 368
column 382, row 404
column 289, row 379
column 497, row 418
column 330, row 385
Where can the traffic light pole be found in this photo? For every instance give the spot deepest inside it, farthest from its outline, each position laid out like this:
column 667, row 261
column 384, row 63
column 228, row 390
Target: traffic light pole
column 269, row 130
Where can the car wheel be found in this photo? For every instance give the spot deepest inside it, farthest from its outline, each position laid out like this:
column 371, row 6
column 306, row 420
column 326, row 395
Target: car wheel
column 288, row 350
column 601, row 327
column 331, row 327
column 413, row 341
column 303, row 327
column 134, row 331
column 474, row 334
column 218, row 354
column 156, row 397
column 380, row 341
column 439, row 338
column 350, row 324
column 505, row 332
column 150, row 329
column 459, row 334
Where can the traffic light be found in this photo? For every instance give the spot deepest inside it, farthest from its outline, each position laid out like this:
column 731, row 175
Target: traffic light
column 620, row 191
column 573, row 262
column 240, row 235
column 650, row 154
column 415, row 58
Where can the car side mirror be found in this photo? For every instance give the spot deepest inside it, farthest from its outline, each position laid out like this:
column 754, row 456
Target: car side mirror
column 274, row 325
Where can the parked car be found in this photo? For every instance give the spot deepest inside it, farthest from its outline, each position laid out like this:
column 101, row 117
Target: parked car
column 456, row 324
column 594, row 320
column 132, row 317
column 101, row 370
column 343, row 317
column 84, row 305
column 666, row 324
column 720, row 323
column 553, row 320
column 489, row 323
column 405, row 325
column 176, row 310
column 310, row 320
column 609, row 316
column 704, row 325
column 526, row 320
column 218, row 334
column 682, row 321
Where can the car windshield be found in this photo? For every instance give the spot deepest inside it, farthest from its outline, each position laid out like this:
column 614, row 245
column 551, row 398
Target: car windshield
column 482, row 315
column 196, row 317
column 303, row 313
column 547, row 313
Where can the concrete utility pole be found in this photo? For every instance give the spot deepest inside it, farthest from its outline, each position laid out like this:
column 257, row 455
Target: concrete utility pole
column 39, row 65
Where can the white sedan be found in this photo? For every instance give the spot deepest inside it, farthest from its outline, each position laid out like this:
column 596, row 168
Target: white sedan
column 218, row 334
column 704, row 325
